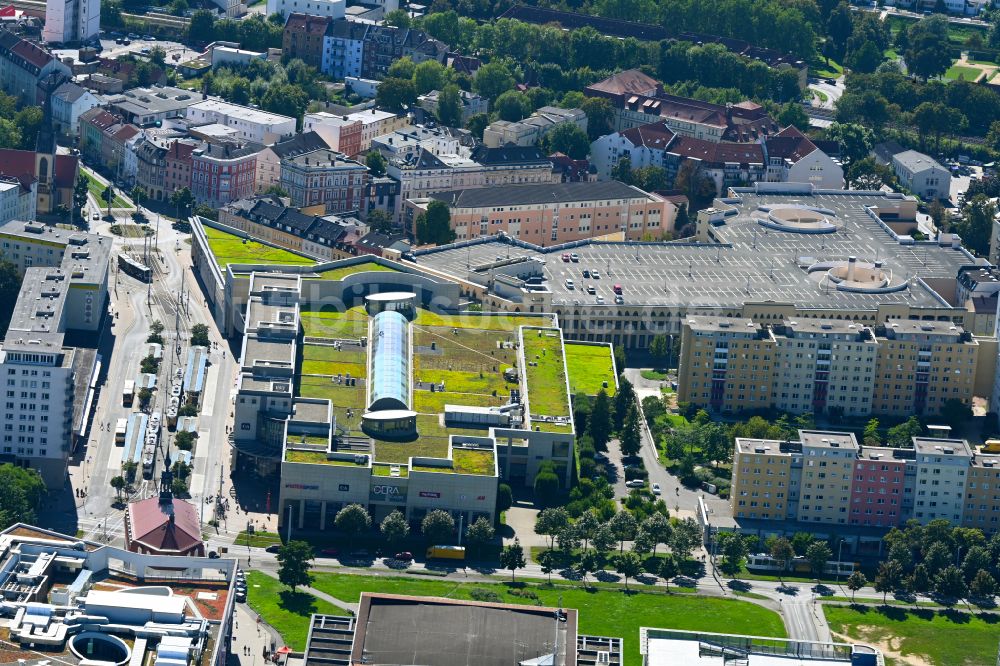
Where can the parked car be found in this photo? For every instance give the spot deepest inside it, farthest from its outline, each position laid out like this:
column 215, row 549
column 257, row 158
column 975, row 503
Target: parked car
column 565, row 257
column 635, row 483
column 404, row 556
column 591, row 289
column 97, row 216
column 574, row 257
column 586, row 272
column 273, row 548
column 570, row 284
column 600, row 300
column 595, row 274
column 241, row 597
column 656, row 489
column 619, row 300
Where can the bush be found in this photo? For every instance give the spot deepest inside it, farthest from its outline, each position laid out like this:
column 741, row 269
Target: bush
column 633, row 473
column 523, row 593
column 480, row 594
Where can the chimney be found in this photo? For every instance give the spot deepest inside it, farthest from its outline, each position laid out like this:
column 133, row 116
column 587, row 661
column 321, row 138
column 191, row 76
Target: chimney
column 851, row 262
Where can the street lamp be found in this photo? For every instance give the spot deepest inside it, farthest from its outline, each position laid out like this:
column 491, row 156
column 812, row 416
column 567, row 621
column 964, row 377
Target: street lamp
column 840, row 548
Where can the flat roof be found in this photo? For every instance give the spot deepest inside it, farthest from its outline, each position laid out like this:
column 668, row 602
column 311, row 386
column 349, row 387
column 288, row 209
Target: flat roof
column 829, row 440
column 751, row 264
column 242, row 112
column 941, row 447
column 393, row 629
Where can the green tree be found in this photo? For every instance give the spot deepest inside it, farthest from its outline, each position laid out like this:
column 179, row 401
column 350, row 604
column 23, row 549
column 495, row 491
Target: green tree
column 668, row 569
column 398, row 18
column 477, row 124
column 275, row 190
column 871, row 435
column 657, row 527
column 10, row 134
column 493, row 79
column 792, row 114
column 975, row 224
column 434, row 224
column 855, row 582
column 546, row 485
column 600, row 116
column 199, row 335
column 983, row 586
column 781, row 550
column 624, row 398
column 659, row 350
column 734, row 549
column 394, row 528
column 480, row 532
column 694, row 183
column 202, row 27
column 547, row 562
column 23, row 491
column 631, row 435
column 865, row 58
column 294, row 562
column 438, row 527
column 928, row 53
column 889, row 577
column 144, row 395
column 950, row 583
column 550, row 522
column 80, row 196
column 901, row 436
column 505, row 497
column 429, row 75
column 353, row 520
column 569, row 139
column 512, row 106
column 449, row 106
column 380, row 221
column 839, row 27
column 624, row 526
column 118, row 483
column 375, row 162
column 629, row 566
column 600, row 421
column 938, row 118
column 402, row 68
column 512, row 557
column 868, row 174
column 604, row 539
column 681, row 221
column 185, row 440
column 287, row 99
column 687, row 536
column 818, row 553
column 182, row 200
column 954, row 412
column 855, row 141
column 396, row 94
column 587, row 564
column 622, row 171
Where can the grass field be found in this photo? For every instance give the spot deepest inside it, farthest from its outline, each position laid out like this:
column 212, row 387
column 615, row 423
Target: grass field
column 257, row 539
column 400, row 452
column 819, row 67
column 96, row 188
column 546, row 380
column 367, row 266
column 589, row 366
column 350, row 325
column 956, row 72
column 288, row 612
column 925, row 636
column 323, row 360
column 338, row 394
column 230, row 249
column 485, row 322
column 426, row 402
column 654, row 375
column 602, row 612
column 131, row 230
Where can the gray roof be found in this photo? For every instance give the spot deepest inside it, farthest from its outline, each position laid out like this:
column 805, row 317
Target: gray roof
column 523, row 195
column 751, row 264
column 916, row 162
column 70, row 92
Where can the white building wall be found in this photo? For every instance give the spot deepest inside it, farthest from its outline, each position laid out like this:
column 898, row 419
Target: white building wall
column 817, row 168
column 940, row 488
column 332, row 8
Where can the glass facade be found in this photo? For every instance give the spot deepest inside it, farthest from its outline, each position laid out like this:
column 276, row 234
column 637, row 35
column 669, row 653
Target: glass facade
column 390, row 371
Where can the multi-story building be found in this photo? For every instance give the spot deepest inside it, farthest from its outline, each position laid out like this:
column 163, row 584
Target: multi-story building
column 324, row 177
column 639, row 99
column 366, row 50
column 823, row 366
column 304, row 37
column 352, row 134
column 71, row 21
column 529, row 131
column 24, row 65
column 942, row 472
column 177, row 165
column 18, row 199
column 921, row 365
column 324, row 8
column 764, row 478
column 982, row 494
column 251, row 124
column 269, row 159
column 221, row 173
column 149, row 106
column 922, row 175
column 880, row 495
column 552, row 213
column 827, row 366
column 151, row 159
column 472, row 104
column 64, row 287
column 827, row 470
column 69, row 102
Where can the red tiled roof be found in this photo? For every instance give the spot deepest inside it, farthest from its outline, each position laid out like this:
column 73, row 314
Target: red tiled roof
column 656, row 136
column 150, row 523
column 308, row 24
column 718, row 153
column 20, row 164
column 66, row 170
column 32, row 53
column 790, row 144
column 629, row 81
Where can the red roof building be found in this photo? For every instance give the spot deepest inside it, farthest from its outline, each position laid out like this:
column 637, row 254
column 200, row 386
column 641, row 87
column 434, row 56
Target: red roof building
column 163, row 526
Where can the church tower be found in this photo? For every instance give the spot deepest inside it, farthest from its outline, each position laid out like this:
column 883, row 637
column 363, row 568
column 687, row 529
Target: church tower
column 45, row 151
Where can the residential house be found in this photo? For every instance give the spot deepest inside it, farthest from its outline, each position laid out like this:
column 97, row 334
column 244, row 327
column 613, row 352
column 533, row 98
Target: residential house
column 793, row 158
column 324, row 177
column 24, row 65
column 71, row 21
column 151, row 170
column 269, row 159
column 69, row 101
column 527, row 132
column 645, row 146
column 221, row 173
column 922, row 175
column 352, row 134
column 367, row 51
column 320, row 8
column 253, row 125
column 304, row 37
column 471, row 103
column 177, row 165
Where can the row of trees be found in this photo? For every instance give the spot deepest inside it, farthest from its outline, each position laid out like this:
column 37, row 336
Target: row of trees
column 437, row 527
column 279, row 88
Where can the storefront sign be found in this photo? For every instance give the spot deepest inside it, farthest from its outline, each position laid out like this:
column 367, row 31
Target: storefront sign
column 388, row 493
column 344, row 487
column 429, row 494
column 300, row 486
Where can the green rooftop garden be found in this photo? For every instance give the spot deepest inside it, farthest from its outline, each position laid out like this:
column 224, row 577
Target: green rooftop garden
column 472, row 461
column 589, row 366
column 324, row 360
column 386, row 470
column 401, row 452
column 426, row 402
column 546, row 375
column 484, row 322
column 340, row 395
column 327, row 323
column 315, row 458
column 231, row 249
column 307, row 440
column 547, row 426
column 353, row 269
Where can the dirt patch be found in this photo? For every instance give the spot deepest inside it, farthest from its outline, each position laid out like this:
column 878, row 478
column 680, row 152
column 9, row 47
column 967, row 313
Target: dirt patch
column 889, row 647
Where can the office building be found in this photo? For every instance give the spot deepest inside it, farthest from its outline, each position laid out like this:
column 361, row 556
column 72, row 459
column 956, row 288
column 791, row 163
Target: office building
column 250, row 124
column 221, row 173
column 71, row 21
column 922, row 175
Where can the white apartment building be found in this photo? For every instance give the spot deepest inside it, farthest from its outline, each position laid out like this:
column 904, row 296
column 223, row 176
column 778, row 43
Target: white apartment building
column 17, row 202
column 343, row 129
column 527, row 132
column 942, row 468
column 71, row 21
column 332, row 8
column 922, row 175
column 250, row 124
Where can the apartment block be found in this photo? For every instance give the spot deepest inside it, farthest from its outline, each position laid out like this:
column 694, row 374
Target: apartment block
column 921, row 365
column 982, row 494
column 762, row 477
column 527, row 132
column 880, row 495
column 823, row 366
column 324, row 177
column 942, row 472
column 827, row 469
column 727, row 363
column 352, row 133
column 250, row 124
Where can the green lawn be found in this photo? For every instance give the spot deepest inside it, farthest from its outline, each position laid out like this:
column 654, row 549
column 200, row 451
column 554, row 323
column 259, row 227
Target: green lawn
column 426, row 402
column 363, row 267
column 956, row 72
column 936, row 637
column 819, row 67
column 547, row 379
column 286, row 611
column 820, row 95
column 257, row 540
column 96, row 188
column 232, row 249
column 589, row 366
column 322, row 360
column 338, row 394
column 400, row 452
column 603, row 612
column 485, row 322
column 352, row 324
column 468, row 461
